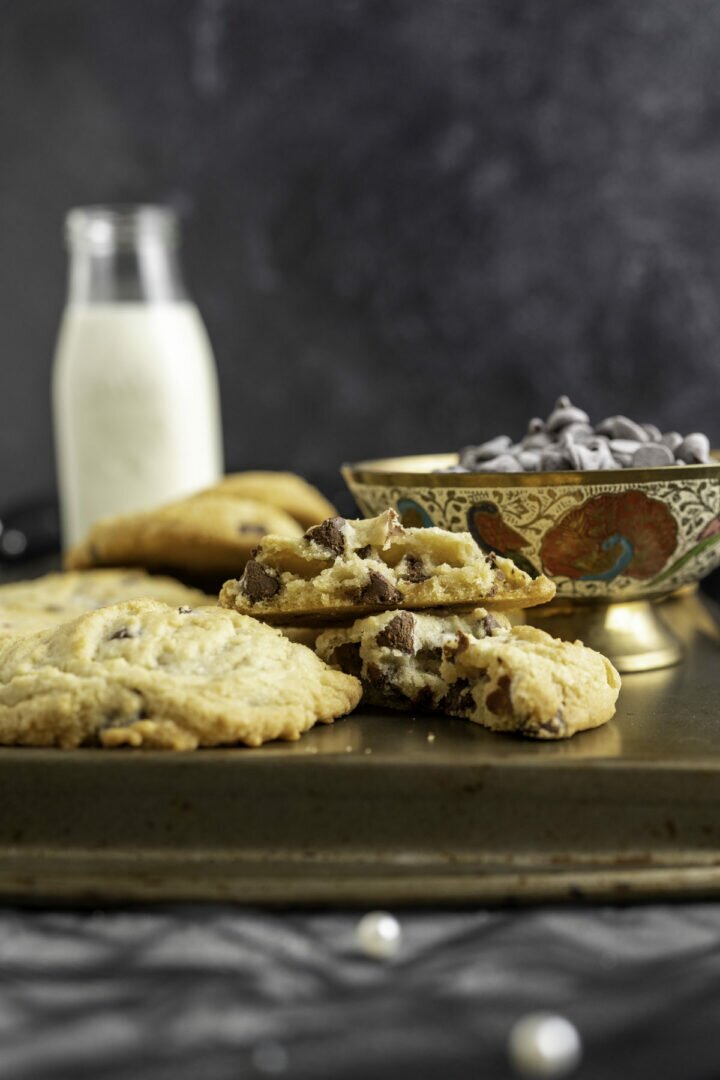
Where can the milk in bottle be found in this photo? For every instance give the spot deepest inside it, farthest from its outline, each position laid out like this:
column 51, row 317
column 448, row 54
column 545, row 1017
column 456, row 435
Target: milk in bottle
column 135, row 396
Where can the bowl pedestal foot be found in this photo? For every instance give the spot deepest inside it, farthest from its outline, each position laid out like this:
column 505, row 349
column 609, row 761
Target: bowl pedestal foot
column 633, row 635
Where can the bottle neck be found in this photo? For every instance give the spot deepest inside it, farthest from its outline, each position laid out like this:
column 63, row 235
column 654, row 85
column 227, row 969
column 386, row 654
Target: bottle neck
column 149, row 274
column 123, row 255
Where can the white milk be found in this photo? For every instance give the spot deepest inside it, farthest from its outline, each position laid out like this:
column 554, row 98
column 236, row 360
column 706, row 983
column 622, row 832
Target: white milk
column 136, row 409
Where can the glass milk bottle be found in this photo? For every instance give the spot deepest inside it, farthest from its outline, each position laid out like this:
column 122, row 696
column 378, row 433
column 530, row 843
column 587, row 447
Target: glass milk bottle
column 135, row 397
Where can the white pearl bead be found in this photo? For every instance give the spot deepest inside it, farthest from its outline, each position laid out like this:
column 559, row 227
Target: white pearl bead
column 545, row 1045
column 379, row 935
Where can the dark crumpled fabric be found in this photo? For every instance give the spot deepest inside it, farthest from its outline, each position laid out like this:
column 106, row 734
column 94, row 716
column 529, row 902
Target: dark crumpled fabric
column 220, row 992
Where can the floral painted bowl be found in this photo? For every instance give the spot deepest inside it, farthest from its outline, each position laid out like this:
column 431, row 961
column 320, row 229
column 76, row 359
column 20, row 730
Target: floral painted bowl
column 616, row 535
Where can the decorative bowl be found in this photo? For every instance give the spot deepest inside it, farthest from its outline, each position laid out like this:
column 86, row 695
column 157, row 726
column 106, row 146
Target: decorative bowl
column 606, row 538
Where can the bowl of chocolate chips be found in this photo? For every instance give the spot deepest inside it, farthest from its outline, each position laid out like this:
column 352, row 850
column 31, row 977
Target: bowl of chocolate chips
column 616, row 513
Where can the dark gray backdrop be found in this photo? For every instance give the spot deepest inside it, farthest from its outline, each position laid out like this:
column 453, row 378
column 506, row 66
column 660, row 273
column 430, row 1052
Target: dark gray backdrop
column 411, row 223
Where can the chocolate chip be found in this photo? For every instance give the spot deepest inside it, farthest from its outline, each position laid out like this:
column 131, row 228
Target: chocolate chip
column 673, row 439
column 650, row 455
column 452, row 649
column 257, row 583
column 430, row 659
column 473, row 456
column 123, row 632
column 459, row 700
column 248, row 527
column 622, row 427
column 329, row 534
column 398, row 634
column 364, row 552
column 694, row 449
column 555, row 725
column 490, row 624
column 184, row 610
column 379, row 590
column 499, row 701
column 376, row 677
column 530, row 460
column 414, row 570
column 565, row 414
column 347, row 656
column 382, row 685
column 424, row 699
column 503, row 463
column 536, row 441
column 554, row 460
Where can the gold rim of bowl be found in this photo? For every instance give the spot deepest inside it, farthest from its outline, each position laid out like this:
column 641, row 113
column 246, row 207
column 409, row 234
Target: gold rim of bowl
column 417, row 471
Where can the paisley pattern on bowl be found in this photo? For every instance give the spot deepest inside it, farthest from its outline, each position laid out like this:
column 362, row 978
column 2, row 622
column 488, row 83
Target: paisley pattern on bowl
column 492, row 533
column 629, row 533
column 412, row 515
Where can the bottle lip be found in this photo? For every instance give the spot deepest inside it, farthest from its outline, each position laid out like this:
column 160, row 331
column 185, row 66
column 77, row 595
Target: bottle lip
column 112, row 227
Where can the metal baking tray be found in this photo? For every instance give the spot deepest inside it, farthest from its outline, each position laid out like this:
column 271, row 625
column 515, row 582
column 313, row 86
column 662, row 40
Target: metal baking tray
column 390, row 808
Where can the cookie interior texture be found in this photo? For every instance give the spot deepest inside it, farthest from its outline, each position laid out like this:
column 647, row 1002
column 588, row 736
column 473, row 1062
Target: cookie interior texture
column 344, row 567
column 215, row 534
column 143, row 674
column 53, row 599
column 507, row 678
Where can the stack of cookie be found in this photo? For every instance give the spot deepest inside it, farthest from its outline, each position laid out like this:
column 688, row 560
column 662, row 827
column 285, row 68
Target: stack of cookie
column 406, row 618
column 413, row 631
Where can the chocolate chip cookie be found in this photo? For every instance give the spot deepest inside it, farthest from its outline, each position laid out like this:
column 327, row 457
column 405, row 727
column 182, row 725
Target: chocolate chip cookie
column 205, row 537
column 341, row 569
column 27, row 606
column 285, row 490
column 143, row 674
column 508, row 678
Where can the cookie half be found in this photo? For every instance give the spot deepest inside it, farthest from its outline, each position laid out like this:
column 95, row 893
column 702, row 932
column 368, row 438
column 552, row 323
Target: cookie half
column 144, row 674
column 507, row 678
column 343, row 569
column 44, row 602
column 212, row 535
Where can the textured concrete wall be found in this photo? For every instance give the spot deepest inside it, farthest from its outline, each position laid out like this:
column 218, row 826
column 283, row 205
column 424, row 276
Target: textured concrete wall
column 411, row 224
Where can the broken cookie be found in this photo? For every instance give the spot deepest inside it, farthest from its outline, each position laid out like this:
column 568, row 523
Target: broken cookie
column 508, row 678
column 341, row 569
